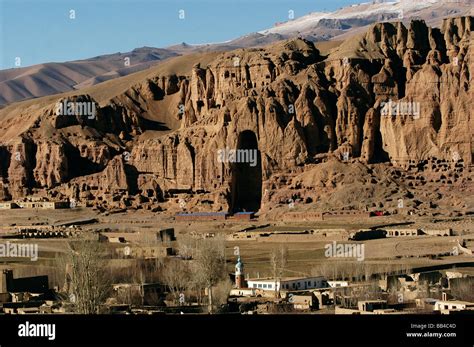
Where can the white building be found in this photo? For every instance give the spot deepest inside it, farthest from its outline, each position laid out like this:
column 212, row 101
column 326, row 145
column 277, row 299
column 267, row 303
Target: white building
column 335, row 284
column 455, row 305
column 288, row 283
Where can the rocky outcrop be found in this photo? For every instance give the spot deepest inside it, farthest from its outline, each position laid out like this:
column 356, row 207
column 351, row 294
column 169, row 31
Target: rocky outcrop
column 394, row 96
column 52, row 165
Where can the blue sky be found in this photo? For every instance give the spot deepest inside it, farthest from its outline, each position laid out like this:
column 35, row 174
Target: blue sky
column 41, row 31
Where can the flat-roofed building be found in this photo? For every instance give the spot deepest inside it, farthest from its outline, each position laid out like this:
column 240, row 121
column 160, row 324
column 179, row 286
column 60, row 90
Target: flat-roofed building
column 201, row 216
column 34, row 284
column 371, row 305
column 336, row 284
column 402, row 232
column 438, row 232
column 244, row 215
column 445, row 307
column 166, row 235
column 46, row 205
column 8, row 205
column 288, row 283
column 303, row 302
column 329, row 215
column 145, row 252
column 309, row 216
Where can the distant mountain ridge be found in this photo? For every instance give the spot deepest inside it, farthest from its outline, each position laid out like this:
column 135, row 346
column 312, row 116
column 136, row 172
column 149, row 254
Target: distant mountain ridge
column 344, row 22
column 323, row 26
column 53, row 78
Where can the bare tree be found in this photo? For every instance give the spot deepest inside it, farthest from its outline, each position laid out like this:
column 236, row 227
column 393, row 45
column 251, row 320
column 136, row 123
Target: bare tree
column 222, row 291
column 463, row 289
column 209, row 264
column 88, row 276
column 323, row 269
column 278, row 260
column 187, row 245
column 176, row 276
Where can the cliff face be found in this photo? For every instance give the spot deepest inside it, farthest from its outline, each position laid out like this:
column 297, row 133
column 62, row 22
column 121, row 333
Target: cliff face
column 392, row 95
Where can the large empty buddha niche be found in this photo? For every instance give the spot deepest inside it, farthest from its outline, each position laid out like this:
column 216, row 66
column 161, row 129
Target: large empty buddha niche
column 247, row 174
column 472, row 152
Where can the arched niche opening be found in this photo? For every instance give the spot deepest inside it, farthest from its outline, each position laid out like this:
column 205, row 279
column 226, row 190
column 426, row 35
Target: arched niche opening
column 246, row 174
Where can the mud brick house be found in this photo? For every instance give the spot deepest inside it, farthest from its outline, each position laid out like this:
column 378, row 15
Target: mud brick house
column 8, row 205
column 166, row 235
column 35, row 284
column 201, row 216
column 244, row 216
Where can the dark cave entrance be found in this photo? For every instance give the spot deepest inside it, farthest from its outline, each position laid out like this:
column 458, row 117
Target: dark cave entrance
column 246, row 174
column 472, row 152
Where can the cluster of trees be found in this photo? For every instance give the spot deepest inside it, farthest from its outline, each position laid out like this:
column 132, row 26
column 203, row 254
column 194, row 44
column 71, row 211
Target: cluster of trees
column 463, row 289
column 205, row 272
column 202, row 278
column 87, row 276
column 356, row 271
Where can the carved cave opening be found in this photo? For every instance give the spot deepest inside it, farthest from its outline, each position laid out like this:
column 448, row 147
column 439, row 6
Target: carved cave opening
column 246, row 174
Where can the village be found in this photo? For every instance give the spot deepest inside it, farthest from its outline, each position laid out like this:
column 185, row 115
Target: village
column 431, row 292
column 173, row 272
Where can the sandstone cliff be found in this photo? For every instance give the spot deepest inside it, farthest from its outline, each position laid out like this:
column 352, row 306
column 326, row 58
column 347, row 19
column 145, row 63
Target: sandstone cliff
column 161, row 135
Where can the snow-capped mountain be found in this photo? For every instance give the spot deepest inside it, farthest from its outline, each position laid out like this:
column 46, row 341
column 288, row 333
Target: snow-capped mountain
column 326, row 25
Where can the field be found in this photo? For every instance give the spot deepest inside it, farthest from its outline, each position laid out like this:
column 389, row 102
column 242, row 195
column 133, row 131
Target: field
column 305, row 256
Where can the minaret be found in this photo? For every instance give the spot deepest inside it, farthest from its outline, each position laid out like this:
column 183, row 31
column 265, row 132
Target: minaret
column 239, row 275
